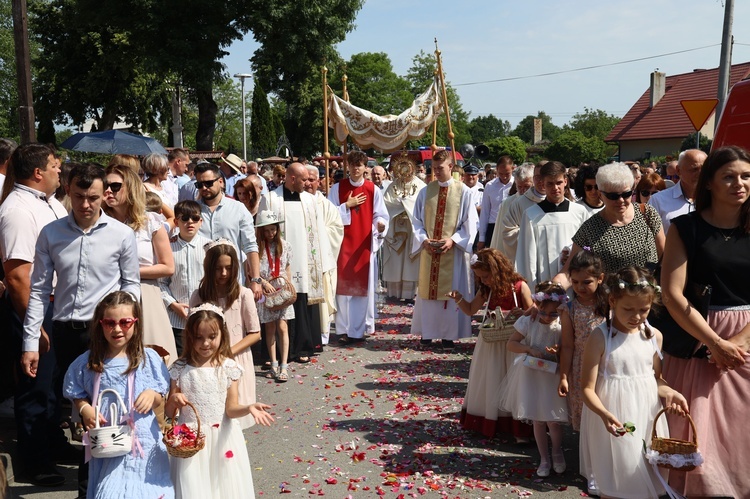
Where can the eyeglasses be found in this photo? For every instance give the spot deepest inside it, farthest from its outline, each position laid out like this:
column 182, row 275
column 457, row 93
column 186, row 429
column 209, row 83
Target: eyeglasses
column 206, row 183
column 125, row 323
column 112, row 186
column 591, row 187
column 614, row 196
column 187, row 218
column 645, row 194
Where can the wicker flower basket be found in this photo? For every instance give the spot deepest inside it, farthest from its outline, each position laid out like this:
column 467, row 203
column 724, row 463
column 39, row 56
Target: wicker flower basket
column 177, row 445
column 674, row 445
column 496, row 327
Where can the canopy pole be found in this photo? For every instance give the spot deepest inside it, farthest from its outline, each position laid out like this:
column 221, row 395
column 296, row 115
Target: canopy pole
column 345, row 96
column 326, row 153
column 445, row 101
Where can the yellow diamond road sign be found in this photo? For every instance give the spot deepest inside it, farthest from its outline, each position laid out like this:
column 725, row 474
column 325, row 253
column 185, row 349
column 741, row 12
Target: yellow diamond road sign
column 699, row 110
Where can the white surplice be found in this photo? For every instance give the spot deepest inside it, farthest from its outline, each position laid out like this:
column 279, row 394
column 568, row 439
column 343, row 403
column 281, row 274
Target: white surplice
column 355, row 315
column 400, row 266
column 335, row 230
column 512, row 221
column 541, row 239
column 441, row 319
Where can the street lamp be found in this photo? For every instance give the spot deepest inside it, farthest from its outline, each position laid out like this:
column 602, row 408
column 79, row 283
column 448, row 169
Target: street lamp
column 242, row 77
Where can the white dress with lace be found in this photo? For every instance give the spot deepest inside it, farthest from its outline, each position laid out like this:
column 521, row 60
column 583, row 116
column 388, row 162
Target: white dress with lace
column 221, row 470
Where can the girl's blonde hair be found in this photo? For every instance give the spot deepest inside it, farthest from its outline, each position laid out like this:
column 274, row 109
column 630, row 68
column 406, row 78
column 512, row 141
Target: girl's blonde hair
column 207, row 289
column 98, row 344
column 135, row 196
column 190, row 332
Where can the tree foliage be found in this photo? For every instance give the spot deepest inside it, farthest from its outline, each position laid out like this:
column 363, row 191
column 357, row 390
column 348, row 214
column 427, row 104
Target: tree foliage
column 593, row 123
column 262, row 125
column 484, row 128
column 689, row 143
column 8, row 90
column 510, row 145
column 572, row 147
column 525, row 128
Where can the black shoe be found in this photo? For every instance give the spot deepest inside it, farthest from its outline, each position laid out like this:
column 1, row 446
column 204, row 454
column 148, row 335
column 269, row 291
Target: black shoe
column 424, row 344
column 346, row 340
column 46, row 476
column 67, row 454
column 448, row 345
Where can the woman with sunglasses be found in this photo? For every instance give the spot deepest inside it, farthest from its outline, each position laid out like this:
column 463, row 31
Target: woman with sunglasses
column 621, row 234
column 125, row 201
column 649, row 185
column 586, row 190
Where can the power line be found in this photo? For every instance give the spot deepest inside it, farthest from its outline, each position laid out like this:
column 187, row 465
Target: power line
column 587, row 67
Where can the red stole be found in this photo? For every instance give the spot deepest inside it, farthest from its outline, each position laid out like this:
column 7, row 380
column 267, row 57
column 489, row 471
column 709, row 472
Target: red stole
column 356, row 248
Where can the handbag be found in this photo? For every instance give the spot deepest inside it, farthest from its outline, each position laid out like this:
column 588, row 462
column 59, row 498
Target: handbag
column 676, row 341
column 495, row 326
column 283, row 296
column 115, row 439
column 284, row 293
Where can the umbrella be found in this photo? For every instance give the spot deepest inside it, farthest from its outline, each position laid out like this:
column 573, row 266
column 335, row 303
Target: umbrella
column 113, row 142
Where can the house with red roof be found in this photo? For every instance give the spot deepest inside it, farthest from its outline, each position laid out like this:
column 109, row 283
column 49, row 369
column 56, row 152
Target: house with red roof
column 656, row 125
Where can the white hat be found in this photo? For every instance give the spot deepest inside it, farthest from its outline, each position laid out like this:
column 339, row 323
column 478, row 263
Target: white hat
column 234, row 161
column 267, row 217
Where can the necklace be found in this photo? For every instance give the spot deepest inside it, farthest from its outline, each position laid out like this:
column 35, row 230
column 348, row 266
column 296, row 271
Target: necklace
column 725, row 236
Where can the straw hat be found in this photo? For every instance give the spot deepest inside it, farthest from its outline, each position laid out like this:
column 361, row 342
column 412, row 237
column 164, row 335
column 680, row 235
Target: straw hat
column 267, row 217
column 234, row 162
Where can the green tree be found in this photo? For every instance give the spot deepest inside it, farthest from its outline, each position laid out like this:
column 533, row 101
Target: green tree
column 689, row 143
column 510, row 145
column 8, row 88
column 296, row 40
column 484, row 128
column 593, row 123
column 572, row 148
column 420, row 76
column 525, row 128
column 262, row 125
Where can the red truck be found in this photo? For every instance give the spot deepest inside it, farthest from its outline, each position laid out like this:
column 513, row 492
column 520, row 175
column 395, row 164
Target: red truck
column 734, row 124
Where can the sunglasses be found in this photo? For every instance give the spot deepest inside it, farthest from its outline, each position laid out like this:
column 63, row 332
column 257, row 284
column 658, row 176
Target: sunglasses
column 614, row 196
column 645, row 194
column 591, row 187
column 112, row 186
column 125, row 323
column 206, row 183
column 194, row 218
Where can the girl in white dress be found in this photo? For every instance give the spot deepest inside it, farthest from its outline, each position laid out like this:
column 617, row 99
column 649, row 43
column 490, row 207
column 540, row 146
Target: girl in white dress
column 529, row 393
column 206, row 376
column 622, row 383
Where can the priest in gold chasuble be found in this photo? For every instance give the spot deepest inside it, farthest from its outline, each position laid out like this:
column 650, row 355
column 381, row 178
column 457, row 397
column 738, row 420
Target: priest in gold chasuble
column 445, row 224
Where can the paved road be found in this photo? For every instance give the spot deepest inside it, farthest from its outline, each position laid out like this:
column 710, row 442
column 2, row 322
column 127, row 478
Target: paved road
column 382, row 420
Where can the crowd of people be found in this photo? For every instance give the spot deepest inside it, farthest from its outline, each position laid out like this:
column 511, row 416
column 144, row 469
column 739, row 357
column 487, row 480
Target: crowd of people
column 167, row 281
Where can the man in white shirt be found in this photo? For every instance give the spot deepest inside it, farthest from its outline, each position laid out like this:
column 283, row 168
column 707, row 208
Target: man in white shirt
column 178, row 160
column 380, row 178
column 678, row 199
column 495, row 192
column 28, row 208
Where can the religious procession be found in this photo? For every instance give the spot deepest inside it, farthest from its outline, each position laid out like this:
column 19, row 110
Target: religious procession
column 159, row 307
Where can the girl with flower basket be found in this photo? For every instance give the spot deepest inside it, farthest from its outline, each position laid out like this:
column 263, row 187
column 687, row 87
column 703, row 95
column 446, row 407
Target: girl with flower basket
column 206, row 379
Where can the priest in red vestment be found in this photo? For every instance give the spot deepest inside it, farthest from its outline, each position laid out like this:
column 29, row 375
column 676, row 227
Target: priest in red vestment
column 365, row 218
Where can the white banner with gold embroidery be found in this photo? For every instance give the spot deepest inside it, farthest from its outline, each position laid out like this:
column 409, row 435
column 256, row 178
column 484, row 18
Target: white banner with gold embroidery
column 387, row 133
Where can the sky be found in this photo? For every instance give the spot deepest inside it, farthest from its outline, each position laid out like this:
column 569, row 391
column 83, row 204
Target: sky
column 483, row 40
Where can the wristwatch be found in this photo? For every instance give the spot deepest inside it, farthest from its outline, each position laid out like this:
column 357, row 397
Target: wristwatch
column 256, row 280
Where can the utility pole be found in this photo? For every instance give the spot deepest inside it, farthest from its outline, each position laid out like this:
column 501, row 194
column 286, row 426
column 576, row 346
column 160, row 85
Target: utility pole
column 177, row 117
column 242, row 77
column 725, row 63
column 23, row 72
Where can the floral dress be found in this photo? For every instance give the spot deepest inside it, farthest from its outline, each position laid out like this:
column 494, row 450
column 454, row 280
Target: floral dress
column 584, row 319
column 221, row 470
column 266, row 273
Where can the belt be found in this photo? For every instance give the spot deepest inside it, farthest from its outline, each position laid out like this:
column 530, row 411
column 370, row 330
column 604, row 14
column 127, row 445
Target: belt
column 77, row 325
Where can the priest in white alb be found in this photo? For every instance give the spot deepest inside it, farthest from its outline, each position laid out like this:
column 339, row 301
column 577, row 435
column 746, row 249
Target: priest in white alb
column 335, row 232
column 304, row 228
column 400, row 265
column 445, row 224
column 547, row 227
column 365, row 220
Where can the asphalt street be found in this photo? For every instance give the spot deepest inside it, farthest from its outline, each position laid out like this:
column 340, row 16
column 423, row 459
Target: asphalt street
column 380, row 419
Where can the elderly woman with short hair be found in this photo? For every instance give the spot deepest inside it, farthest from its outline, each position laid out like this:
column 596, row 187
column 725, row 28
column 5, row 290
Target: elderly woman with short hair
column 621, row 234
